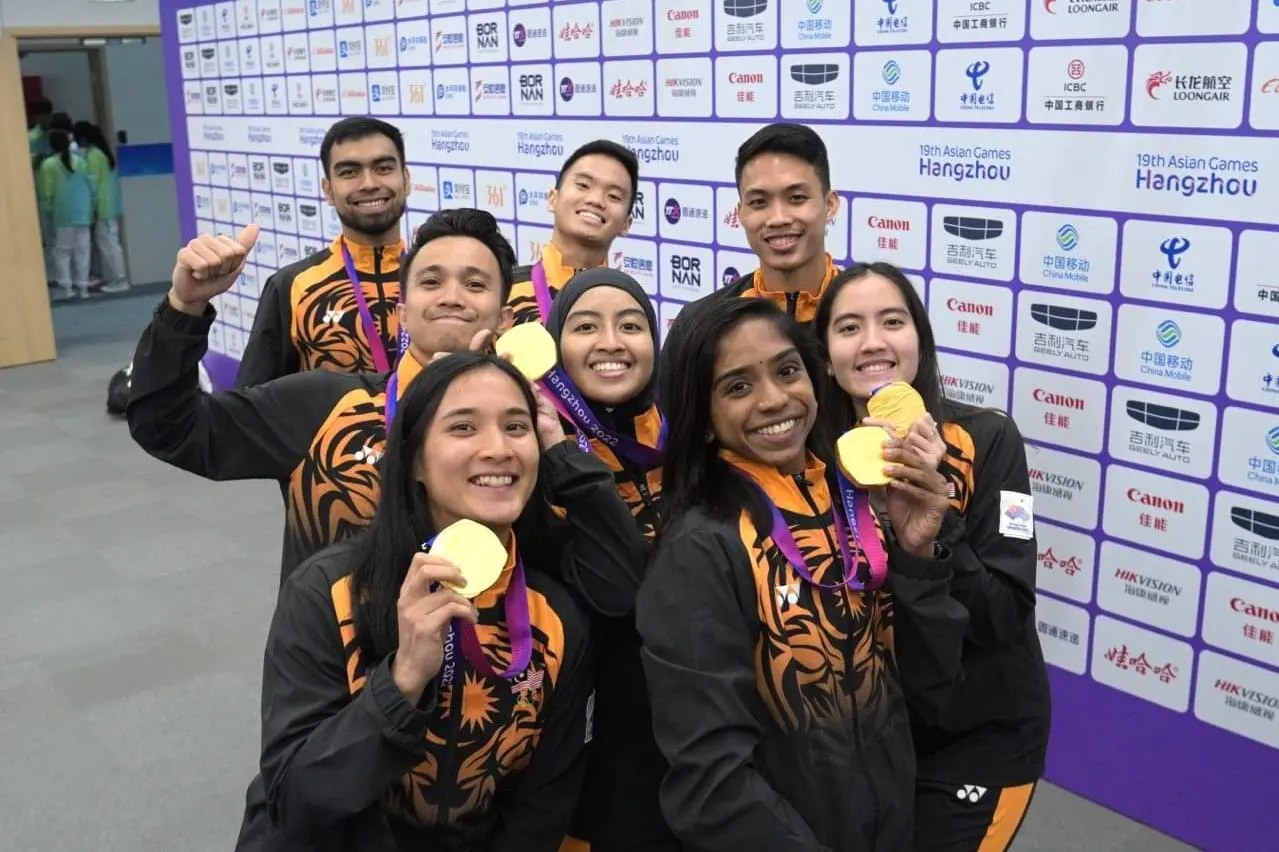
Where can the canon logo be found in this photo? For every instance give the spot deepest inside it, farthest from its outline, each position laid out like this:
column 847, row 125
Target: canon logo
column 682, row 14
column 888, row 224
column 1058, row 399
column 961, row 307
column 745, row 79
column 1154, row 501
column 1241, row 605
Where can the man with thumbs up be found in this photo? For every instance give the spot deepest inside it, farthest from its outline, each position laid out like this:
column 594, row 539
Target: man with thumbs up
column 320, row 433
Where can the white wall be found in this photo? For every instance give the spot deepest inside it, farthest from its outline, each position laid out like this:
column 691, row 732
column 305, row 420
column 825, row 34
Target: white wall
column 73, row 14
column 139, row 106
column 65, row 76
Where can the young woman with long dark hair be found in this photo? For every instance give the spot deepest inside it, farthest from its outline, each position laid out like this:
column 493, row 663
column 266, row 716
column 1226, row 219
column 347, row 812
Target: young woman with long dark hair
column 980, row 760
column 605, row 329
column 107, row 208
column 398, row 714
column 784, row 628
column 66, row 196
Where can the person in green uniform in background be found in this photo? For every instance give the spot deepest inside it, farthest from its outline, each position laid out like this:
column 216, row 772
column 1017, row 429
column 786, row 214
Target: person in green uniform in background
column 66, row 196
column 106, row 222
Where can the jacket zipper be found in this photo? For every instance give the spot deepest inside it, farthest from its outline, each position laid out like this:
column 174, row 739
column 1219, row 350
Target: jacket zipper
column 802, row 482
column 381, row 293
column 792, row 300
column 448, row 768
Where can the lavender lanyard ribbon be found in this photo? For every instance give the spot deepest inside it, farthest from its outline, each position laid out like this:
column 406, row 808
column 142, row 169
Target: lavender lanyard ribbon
column 541, row 292
column 518, row 624
column 380, row 362
column 571, row 405
column 860, row 517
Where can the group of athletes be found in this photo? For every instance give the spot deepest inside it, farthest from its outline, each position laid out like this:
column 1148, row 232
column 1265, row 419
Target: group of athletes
column 696, row 632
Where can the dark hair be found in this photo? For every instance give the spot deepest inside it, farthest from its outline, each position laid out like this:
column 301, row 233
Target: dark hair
column 60, row 142
column 88, row 133
column 796, row 140
column 464, row 222
column 61, row 121
column 40, row 106
column 607, row 148
column 694, row 476
column 403, row 518
column 358, row 127
column 927, row 374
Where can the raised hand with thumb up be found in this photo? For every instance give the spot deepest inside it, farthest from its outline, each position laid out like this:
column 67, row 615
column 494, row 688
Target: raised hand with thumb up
column 208, row 266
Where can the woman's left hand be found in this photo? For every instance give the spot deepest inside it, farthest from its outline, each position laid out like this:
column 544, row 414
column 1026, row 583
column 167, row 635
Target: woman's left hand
column 916, row 500
column 549, row 429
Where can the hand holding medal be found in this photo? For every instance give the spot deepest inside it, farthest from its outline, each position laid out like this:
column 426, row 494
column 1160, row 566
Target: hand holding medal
column 531, row 350
column 893, row 408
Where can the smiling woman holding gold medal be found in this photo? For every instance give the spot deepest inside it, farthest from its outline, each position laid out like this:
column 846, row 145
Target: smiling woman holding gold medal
column 426, row 684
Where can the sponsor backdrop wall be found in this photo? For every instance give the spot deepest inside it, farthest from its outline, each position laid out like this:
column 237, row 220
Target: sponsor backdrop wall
column 1085, row 191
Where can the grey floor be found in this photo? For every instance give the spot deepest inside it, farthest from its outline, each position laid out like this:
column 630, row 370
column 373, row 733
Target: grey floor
column 136, row 600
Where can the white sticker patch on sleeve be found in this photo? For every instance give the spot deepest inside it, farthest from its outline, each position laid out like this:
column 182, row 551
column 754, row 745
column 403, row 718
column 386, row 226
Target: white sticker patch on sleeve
column 1016, row 515
column 590, row 718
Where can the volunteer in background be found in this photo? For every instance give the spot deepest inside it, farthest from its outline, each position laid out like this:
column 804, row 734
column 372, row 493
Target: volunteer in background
column 378, row 732
column 66, row 195
column 774, row 613
column 106, row 225
column 606, row 332
column 321, row 434
column 980, row 761
column 785, row 205
column 311, row 313
column 592, row 203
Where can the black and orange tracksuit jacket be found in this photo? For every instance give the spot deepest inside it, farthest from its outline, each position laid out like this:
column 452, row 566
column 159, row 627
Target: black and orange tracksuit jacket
column 619, row 805
column 781, row 706
column 308, row 317
column 523, row 298
column 994, row 731
column 801, row 306
column 484, row 764
column 320, row 434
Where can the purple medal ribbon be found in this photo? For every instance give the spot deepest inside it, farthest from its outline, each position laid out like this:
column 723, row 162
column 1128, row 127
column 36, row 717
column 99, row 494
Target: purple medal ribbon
column 857, row 511
column 541, row 292
column 380, row 361
column 518, row 624
column 570, row 403
column 861, row 519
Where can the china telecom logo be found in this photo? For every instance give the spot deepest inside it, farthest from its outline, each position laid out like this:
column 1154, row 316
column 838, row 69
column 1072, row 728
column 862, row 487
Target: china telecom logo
column 976, row 72
column 1173, row 248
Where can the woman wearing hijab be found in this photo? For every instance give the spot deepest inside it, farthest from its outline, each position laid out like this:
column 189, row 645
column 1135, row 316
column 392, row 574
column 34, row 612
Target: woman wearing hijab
column 606, row 334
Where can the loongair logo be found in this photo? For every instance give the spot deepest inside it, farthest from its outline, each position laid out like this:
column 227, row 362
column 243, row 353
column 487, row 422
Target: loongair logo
column 1048, row 6
column 892, row 72
column 1067, row 237
column 1155, row 80
column 672, row 210
column 1168, row 333
column 1270, row 87
column 1173, row 248
column 976, row 72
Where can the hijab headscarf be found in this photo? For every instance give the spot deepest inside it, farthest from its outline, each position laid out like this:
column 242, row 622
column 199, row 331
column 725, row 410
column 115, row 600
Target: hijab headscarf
column 622, row 416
